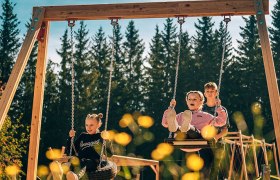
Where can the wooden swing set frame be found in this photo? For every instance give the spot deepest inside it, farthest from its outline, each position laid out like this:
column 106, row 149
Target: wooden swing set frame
column 39, row 30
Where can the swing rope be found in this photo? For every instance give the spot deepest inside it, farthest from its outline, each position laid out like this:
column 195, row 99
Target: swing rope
column 114, row 23
column 181, row 21
column 226, row 20
column 71, row 24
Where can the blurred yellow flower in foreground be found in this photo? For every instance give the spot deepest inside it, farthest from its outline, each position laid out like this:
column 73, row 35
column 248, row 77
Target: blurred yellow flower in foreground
column 126, row 120
column 194, row 162
column 122, row 138
column 208, row 132
column 12, row 170
column 145, row 121
column 42, row 171
column 53, row 154
column 165, row 149
column 191, row 176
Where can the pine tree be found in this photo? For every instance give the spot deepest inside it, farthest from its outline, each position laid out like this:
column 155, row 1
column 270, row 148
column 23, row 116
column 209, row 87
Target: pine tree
column 251, row 77
column 82, row 69
column 169, row 36
column 118, row 82
column 204, row 52
column 134, row 48
column 275, row 38
column 156, row 76
column 100, row 68
column 63, row 108
column 9, row 40
column 54, row 128
column 64, row 80
column 186, row 73
column 222, row 37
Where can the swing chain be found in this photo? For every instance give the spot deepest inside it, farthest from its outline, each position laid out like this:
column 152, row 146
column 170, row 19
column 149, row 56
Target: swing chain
column 114, row 23
column 71, row 24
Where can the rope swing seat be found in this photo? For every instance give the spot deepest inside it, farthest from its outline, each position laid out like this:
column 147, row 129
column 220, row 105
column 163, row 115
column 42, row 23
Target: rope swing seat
column 190, row 143
column 205, row 142
column 40, row 26
column 107, row 168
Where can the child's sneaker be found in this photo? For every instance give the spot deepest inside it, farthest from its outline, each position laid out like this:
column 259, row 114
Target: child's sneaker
column 171, row 121
column 72, row 176
column 187, row 117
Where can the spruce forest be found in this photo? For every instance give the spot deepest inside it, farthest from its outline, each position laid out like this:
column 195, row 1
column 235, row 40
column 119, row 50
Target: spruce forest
column 142, row 83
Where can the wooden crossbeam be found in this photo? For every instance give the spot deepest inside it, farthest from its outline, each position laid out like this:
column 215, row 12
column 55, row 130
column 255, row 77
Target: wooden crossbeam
column 152, row 10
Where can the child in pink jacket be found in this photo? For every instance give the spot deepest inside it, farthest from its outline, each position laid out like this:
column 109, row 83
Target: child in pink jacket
column 193, row 119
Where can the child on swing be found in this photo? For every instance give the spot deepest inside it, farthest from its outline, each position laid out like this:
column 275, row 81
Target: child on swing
column 211, row 93
column 214, row 156
column 193, row 120
column 84, row 145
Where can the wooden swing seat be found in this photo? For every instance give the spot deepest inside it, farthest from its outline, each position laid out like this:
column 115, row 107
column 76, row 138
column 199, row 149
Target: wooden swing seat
column 190, row 143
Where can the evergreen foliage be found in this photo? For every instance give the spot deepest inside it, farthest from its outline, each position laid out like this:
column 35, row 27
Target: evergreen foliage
column 9, row 40
column 100, row 71
column 140, row 84
column 251, row 80
column 204, row 53
column 170, row 49
column 82, row 69
column 134, row 69
column 14, row 137
column 54, row 126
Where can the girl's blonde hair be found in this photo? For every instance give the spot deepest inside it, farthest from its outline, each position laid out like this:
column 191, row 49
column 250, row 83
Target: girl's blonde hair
column 200, row 94
column 98, row 117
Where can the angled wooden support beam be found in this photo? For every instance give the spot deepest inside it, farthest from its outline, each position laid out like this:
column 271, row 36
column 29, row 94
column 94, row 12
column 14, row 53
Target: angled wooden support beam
column 16, row 74
column 38, row 102
column 269, row 68
column 188, row 8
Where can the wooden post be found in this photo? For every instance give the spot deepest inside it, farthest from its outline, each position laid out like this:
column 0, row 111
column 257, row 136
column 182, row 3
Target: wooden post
column 231, row 161
column 269, row 69
column 16, row 74
column 242, row 170
column 255, row 157
column 38, row 102
column 266, row 166
column 243, row 156
column 275, row 159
